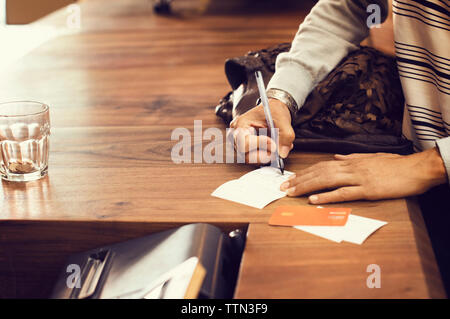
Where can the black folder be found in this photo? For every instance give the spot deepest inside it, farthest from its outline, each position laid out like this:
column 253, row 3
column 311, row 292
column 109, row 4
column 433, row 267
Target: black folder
column 192, row 261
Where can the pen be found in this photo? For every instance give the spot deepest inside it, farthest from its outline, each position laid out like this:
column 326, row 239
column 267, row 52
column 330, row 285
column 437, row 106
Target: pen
column 265, row 103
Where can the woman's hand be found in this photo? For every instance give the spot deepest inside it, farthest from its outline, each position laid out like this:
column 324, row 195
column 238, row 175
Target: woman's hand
column 368, row 176
column 261, row 147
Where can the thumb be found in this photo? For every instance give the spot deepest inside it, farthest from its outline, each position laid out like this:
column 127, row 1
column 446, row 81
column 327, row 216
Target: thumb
column 286, row 137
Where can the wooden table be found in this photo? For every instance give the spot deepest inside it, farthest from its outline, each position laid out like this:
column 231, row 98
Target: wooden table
column 116, row 90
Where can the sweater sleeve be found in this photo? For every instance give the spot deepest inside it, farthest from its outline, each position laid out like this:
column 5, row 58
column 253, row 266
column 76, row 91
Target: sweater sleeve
column 444, row 149
column 331, row 30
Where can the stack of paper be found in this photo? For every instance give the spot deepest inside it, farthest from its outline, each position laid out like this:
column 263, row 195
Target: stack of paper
column 336, row 224
column 256, row 189
column 356, row 230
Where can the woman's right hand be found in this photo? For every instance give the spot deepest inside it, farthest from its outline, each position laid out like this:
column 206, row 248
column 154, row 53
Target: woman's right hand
column 261, row 147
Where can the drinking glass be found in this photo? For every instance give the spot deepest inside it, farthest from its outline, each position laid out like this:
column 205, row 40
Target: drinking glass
column 24, row 140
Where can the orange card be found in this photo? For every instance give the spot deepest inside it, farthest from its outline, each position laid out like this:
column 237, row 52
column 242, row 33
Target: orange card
column 309, row 216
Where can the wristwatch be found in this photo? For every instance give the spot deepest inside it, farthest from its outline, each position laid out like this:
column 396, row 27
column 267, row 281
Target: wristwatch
column 283, row 97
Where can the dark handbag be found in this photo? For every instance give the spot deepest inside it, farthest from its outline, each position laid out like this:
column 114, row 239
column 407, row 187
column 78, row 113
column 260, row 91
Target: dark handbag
column 357, row 108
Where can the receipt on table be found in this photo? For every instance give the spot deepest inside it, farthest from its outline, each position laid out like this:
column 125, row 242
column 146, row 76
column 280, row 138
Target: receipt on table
column 256, row 189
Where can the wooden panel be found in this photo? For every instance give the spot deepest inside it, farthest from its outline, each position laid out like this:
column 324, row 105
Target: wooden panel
column 283, row 262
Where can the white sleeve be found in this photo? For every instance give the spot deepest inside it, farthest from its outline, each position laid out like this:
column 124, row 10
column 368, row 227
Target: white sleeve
column 331, row 30
column 444, row 148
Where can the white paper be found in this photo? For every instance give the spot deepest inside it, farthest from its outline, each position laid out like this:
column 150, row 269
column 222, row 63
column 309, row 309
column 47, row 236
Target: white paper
column 256, row 189
column 356, row 230
column 172, row 284
column 176, row 282
column 333, row 233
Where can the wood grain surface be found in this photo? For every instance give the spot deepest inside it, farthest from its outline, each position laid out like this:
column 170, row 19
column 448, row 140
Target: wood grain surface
column 117, row 88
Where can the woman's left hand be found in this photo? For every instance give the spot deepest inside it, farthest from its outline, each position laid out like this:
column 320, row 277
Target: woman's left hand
column 368, row 176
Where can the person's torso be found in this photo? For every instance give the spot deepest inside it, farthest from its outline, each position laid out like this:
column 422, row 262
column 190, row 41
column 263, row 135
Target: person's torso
column 422, row 44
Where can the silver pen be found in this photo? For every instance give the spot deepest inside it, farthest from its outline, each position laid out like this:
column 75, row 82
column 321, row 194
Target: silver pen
column 269, row 120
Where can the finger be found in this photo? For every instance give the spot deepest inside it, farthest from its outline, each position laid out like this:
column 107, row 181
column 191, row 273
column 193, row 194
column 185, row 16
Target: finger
column 330, row 167
column 286, row 137
column 353, row 156
column 244, row 122
column 290, row 182
column 246, row 140
column 258, row 157
column 241, row 137
column 264, row 142
column 343, row 194
column 313, row 182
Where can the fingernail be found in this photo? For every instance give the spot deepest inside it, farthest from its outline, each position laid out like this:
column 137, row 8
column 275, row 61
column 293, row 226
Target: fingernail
column 291, row 177
column 284, row 186
column 284, row 151
column 291, row 191
column 313, row 198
